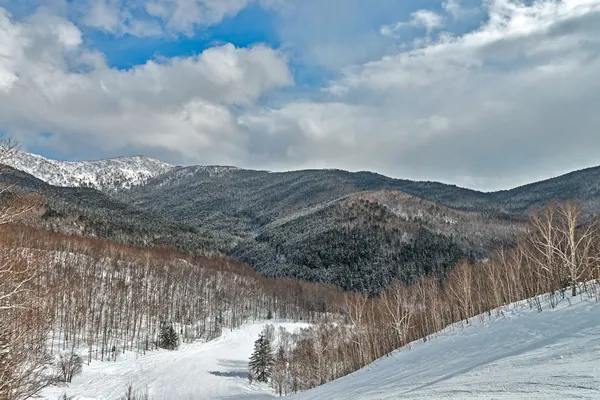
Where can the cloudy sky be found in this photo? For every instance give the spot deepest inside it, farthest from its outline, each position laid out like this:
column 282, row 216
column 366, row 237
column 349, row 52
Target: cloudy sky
column 487, row 95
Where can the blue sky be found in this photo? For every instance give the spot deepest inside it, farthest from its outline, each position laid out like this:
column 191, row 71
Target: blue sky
column 252, row 25
column 485, row 94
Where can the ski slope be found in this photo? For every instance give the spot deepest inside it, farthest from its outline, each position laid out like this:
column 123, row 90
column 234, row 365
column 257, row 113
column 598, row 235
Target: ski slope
column 213, row 370
column 554, row 354
column 522, row 354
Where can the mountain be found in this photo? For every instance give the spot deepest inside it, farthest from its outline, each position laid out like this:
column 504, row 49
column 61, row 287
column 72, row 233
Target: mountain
column 371, row 239
column 110, row 174
column 90, row 212
column 582, row 185
column 359, row 230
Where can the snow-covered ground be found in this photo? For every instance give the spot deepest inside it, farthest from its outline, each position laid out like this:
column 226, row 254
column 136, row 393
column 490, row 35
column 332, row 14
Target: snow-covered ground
column 523, row 354
column 214, row 370
column 554, row 354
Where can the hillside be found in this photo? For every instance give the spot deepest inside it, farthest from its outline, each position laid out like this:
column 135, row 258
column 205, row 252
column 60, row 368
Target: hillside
column 550, row 355
column 522, row 354
column 583, row 185
column 328, row 225
column 89, row 212
column 360, row 230
column 369, row 240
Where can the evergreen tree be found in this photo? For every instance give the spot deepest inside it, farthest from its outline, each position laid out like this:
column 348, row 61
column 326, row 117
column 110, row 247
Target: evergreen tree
column 261, row 361
column 168, row 338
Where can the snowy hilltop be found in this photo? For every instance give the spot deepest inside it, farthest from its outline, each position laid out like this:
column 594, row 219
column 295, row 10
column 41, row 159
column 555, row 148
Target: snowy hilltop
column 107, row 175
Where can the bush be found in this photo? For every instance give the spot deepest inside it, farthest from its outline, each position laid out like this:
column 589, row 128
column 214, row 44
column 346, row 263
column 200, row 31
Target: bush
column 68, row 365
column 130, row 394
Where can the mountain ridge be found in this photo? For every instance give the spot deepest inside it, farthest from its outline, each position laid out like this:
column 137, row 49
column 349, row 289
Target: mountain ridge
column 108, row 174
column 360, row 230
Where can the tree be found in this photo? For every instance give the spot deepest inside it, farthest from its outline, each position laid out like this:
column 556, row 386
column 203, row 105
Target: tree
column 261, row 361
column 24, row 321
column 279, row 371
column 168, row 338
column 69, row 365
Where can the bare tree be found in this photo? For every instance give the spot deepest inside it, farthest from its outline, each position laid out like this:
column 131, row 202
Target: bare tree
column 8, row 149
column 576, row 243
column 23, row 320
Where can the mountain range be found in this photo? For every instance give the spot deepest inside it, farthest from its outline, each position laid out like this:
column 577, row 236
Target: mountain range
column 359, row 230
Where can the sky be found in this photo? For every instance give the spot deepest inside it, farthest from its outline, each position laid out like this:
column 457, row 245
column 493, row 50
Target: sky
column 483, row 94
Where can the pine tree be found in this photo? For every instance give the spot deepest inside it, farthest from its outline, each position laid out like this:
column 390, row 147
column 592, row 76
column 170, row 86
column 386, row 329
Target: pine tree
column 261, row 361
column 168, row 338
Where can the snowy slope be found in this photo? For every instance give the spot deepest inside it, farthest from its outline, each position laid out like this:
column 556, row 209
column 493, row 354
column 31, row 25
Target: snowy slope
column 213, row 370
column 524, row 355
column 520, row 355
column 110, row 174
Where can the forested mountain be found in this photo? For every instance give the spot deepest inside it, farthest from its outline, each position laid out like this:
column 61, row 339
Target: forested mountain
column 582, row 185
column 369, row 240
column 359, row 230
column 89, row 212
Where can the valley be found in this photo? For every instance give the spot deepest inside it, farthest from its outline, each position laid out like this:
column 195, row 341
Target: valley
column 313, row 199
column 209, row 251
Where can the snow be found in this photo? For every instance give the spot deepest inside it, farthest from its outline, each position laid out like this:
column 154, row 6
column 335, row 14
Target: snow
column 110, row 174
column 203, row 370
column 521, row 355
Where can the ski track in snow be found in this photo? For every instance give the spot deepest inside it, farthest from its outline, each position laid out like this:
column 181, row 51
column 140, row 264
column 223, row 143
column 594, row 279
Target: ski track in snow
column 211, row 370
column 554, row 354
column 521, row 355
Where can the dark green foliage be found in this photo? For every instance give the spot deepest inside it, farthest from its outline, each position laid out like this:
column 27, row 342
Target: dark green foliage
column 261, row 360
column 168, row 338
column 359, row 244
column 358, row 230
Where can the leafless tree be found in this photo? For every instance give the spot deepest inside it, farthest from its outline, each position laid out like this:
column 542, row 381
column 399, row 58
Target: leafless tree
column 23, row 324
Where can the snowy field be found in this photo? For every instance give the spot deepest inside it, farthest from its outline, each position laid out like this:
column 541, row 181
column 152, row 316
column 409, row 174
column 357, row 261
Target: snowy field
column 214, row 370
column 524, row 355
column 521, row 355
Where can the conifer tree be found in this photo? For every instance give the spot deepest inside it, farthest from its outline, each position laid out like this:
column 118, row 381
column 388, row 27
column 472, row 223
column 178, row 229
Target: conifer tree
column 261, row 361
column 168, row 338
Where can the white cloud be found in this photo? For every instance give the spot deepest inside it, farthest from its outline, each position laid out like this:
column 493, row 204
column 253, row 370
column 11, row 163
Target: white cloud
column 156, row 17
column 458, row 11
column 513, row 100
column 49, row 82
column 185, row 15
column 515, row 97
column 420, row 19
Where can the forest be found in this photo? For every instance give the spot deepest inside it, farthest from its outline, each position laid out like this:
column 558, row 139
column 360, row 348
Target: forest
column 63, row 292
column 59, row 293
column 558, row 254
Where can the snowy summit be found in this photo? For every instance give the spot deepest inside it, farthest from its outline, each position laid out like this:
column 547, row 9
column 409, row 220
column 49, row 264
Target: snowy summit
column 107, row 175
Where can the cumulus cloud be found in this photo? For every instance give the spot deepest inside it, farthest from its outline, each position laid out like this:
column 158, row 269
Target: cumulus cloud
column 49, row 82
column 504, row 104
column 509, row 102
